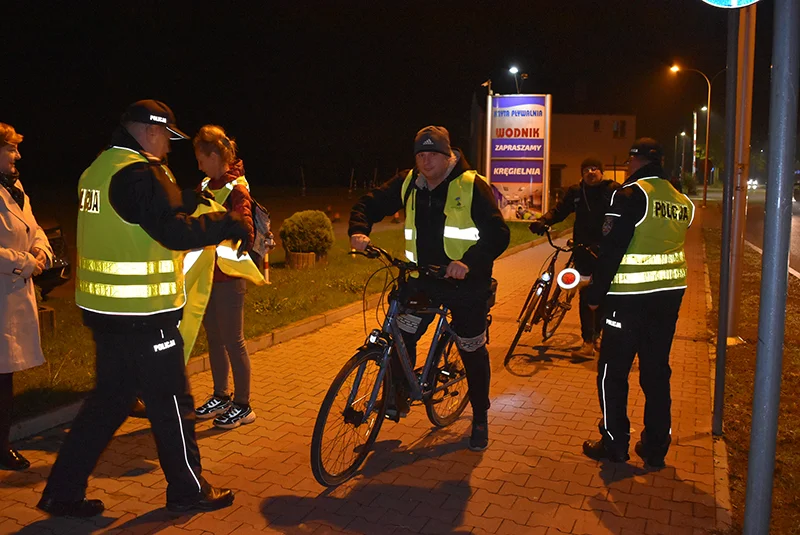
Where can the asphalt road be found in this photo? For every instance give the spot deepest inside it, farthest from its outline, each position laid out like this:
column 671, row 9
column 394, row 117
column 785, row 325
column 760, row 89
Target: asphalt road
column 754, row 230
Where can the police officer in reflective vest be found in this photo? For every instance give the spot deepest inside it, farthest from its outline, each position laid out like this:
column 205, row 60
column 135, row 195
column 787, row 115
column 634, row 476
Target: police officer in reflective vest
column 451, row 220
column 133, row 223
column 641, row 274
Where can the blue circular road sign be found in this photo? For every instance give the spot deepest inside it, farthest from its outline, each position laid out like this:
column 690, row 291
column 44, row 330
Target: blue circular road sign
column 730, row 3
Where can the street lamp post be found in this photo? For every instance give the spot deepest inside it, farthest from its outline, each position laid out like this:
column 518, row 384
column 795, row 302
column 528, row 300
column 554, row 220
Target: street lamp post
column 694, row 147
column 675, row 69
column 514, row 71
column 675, row 156
column 683, row 153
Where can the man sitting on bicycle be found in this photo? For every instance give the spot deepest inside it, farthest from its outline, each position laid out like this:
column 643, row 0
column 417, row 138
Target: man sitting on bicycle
column 588, row 199
column 452, row 220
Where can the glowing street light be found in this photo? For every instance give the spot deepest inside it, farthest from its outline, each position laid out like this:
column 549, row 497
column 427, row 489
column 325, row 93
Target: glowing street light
column 707, row 109
column 704, row 108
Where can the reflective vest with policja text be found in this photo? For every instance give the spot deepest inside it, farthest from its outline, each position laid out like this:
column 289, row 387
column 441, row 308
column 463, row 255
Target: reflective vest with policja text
column 655, row 259
column 460, row 232
column 121, row 269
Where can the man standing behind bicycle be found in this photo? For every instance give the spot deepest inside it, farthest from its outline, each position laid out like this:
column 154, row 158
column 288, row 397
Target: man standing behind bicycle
column 452, row 220
column 588, row 199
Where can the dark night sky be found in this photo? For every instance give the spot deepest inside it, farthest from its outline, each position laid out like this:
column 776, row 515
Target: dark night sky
column 339, row 84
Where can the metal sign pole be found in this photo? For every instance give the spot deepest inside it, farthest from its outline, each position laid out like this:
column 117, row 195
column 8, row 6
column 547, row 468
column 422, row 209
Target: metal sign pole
column 744, row 108
column 775, row 265
column 727, row 204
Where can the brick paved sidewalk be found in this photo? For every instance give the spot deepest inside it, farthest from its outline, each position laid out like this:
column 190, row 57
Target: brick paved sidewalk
column 532, row 479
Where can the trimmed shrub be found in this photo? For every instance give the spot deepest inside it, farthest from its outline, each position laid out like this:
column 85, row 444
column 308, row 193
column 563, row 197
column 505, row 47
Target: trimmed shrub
column 309, row 231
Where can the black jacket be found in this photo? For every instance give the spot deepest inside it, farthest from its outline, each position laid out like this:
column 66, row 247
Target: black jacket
column 143, row 194
column 589, row 204
column 386, row 200
column 628, row 206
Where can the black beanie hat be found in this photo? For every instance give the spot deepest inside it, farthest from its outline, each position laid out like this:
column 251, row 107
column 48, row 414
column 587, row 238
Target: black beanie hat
column 432, row 139
column 591, row 161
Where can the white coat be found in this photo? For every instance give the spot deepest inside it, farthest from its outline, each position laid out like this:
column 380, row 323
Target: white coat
column 20, row 346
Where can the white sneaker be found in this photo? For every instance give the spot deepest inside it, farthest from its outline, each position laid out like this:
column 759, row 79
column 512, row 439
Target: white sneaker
column 235, row 416
column 212, row 407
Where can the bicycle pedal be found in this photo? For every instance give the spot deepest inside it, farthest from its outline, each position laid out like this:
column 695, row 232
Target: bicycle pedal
column 353, row 417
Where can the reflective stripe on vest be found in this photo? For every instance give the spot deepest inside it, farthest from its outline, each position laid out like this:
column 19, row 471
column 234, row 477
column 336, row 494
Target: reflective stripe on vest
column 460, row 232
column 121, row 269
column 655, row 259
column 127, row 268
column 130, row 291
column 221, row 194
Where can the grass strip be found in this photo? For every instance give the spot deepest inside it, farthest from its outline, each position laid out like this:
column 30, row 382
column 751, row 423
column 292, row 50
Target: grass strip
column 739, row 380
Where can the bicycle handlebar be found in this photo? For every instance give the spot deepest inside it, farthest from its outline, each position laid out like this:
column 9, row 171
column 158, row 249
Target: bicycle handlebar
column 569, row 248
column 373, row 251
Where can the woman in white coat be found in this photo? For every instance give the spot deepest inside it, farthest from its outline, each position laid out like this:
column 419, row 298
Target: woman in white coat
column 24, row 252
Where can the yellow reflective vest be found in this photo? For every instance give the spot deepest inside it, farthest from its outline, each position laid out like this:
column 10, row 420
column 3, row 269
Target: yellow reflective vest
column 198, row 269
column 121, row 269
column 655, row 259
column 242, row 267
column 460, row 232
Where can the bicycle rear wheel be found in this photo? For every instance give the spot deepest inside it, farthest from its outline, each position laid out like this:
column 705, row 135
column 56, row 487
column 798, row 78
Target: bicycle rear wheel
column 527, row 317
column 343, row 433
column 448, row 378
column 555, row 310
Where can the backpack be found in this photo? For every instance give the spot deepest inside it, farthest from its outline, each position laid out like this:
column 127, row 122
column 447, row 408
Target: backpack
column 264, row 240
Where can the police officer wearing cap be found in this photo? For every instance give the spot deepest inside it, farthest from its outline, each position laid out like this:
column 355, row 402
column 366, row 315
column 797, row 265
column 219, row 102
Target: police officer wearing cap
column 452, row 220
column 588, row 199
column 641, row 276
column 133, row 223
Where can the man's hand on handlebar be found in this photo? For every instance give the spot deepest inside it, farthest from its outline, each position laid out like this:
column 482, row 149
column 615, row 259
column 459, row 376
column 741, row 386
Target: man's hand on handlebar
column 456, row 270
column 538, row 227
column 359, row 242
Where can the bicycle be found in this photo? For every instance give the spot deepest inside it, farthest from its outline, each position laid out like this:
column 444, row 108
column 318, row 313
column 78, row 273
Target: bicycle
column 540, row 305
column 354, row 407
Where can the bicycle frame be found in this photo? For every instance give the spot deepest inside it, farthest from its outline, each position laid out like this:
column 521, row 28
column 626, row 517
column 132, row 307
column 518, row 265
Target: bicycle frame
column 391, row 335
column 543, row 285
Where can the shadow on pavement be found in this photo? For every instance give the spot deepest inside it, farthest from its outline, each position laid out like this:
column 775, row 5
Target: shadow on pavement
column 128, row 455
column 151, row 522
column 527, row 361
column 383, row 499
column 622, row 480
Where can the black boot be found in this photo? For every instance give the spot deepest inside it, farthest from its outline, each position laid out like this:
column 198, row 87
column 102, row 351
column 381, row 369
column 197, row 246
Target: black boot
column 138, row 410
column 208, row 499
column 479, row 438
column 597, row 450
column 11, row 459
column 651, row 460
column 81, row 509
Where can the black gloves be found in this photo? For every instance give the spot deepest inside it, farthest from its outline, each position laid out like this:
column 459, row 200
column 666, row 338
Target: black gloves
column 204, row 197
column 538, row 227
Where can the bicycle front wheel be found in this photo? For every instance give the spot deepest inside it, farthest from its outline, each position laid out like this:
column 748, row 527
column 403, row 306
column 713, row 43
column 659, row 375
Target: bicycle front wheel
column 555, row 310
column 447, row 379
column 346, row 428
column 527, row 317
